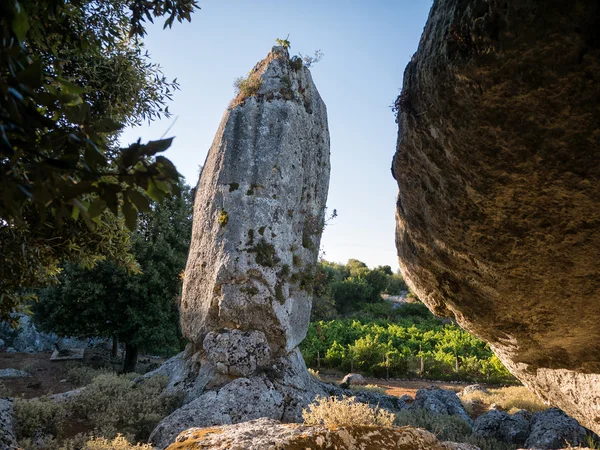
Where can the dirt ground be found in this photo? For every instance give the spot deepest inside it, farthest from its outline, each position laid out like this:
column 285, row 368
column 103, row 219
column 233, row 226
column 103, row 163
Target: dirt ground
column 51, row 377
column 400, row 387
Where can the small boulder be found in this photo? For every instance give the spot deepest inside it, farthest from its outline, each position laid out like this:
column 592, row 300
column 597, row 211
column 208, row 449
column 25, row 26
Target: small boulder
column 474, row 388
column 553, row 429
column 502, row 426
column 440, row 401
column 354, row 379
column 13, row 373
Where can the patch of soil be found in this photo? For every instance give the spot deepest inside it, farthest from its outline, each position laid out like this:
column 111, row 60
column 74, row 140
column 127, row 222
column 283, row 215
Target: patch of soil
column 51, row 377
column 401, row 387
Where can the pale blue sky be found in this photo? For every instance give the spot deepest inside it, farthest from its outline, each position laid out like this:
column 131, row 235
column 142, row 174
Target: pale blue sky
column 366, row 46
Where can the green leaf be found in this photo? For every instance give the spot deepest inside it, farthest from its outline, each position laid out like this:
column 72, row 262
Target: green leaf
column 168, row 167
column 153, row 147
column 154, row 192
column 20, row 22
column 130, row 214
column 69, row 87
column 32, row 76
column 107, row 125
column 140, row 200
column 96, row 208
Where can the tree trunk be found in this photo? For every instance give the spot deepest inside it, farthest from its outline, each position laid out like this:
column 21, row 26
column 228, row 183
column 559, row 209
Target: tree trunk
column 131, row 355
column 115, row 348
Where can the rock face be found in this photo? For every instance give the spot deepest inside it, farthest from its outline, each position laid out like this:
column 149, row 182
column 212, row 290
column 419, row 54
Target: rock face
column 554, row 429
column 258, row 216
column 267, row 434
column 498, row 168
column 7, row 435
column 502, row 426
column 440, row 401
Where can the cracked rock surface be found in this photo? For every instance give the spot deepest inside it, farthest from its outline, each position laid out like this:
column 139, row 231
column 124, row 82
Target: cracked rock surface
column 258, row 217
column 498, row 168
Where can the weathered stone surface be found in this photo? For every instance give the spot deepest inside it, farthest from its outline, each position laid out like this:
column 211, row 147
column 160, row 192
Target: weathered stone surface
column 502, row 426
column 554, row 429
column 258, row 217
column 498, row 168
column 267, row 434
column 7, row 434
column 473, row 388
column 354, row 379
column 440, row 401
column 13, row 373
column 259, row 212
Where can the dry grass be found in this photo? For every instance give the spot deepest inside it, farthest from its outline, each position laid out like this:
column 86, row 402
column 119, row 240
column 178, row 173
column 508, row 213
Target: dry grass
column 369, row 388
column 510, row 399
column 315, row 374
column 347, row 411
column 118, row 443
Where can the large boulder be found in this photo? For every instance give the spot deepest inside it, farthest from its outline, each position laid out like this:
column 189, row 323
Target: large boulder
column 498, row 168
column 258, row 216
column 265, row 434
column 502, row 426
column 354, row 379
column 440, row 401
column 552, row 429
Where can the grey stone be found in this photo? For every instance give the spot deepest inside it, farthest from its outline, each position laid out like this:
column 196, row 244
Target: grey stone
column 389, row 402
column 8, row 440
column 258, row 216
column 354, row 379
column 502, row 426
column 474, row 388
column 13, row 373
column 269, row 434
column 497, row 206
column 553, row 429
column 440, row 401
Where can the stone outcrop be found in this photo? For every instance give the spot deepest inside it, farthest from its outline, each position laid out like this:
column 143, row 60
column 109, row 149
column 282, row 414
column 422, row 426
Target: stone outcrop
column 268, row 434
column 499, row 425
column 258, row 216
column 554, row 429
column 498, row 168
column 354, row 379
column 7, row 434
column 440, row 401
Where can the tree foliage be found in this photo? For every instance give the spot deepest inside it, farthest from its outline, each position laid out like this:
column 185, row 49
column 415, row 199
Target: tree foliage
column 73, row 73
column 341, row 290
column 137, row 309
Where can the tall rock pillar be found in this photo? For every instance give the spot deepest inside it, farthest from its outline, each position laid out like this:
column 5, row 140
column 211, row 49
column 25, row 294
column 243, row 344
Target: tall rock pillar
column 258, row 217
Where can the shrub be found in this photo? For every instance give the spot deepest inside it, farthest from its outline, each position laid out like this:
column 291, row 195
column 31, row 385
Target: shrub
column 117, row 404
column 118, row 443
column 4, row 390
column 84, row 375
column 38, row 416
column 368, row 388
column 331, row 411
column 509, row 399
column 448, row 428
column 314, row 374
column 247, row 86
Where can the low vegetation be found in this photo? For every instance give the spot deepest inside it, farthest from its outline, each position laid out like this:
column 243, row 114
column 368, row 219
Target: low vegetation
column 448, row 428
column 353, row 329
column 510, row 399
column 331, row 411
column 115, row 409
column 368, row 388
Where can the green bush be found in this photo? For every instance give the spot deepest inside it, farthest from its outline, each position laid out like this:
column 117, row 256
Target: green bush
column 382, row 348
column 84, row 375
column 38, row 416
column 115, row 404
